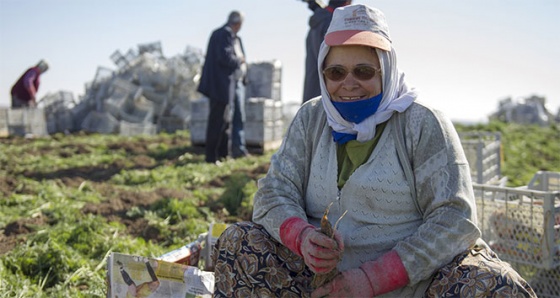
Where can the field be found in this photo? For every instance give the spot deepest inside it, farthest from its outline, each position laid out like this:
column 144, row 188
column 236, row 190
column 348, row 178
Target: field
column 69, row 200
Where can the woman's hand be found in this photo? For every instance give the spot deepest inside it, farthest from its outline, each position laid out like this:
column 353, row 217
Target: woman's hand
column 320, row 252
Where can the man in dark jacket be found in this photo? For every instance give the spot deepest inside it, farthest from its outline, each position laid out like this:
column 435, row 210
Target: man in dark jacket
column 222, row 81
column 318, row 25
column 25, row 89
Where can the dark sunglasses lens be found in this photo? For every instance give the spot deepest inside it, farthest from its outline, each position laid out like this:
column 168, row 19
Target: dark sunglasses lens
column 335, row 73
column 364, row 73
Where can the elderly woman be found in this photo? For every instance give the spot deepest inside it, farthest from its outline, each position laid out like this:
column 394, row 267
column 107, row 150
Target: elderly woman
column 395, row 166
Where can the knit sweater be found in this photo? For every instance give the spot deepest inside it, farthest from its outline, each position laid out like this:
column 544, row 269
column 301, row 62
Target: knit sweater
column 382, row 216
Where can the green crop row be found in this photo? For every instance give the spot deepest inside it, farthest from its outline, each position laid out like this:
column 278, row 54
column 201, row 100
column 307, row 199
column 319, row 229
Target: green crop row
column 68, row 201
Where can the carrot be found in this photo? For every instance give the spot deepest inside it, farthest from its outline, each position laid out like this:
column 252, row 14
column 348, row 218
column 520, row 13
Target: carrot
column 327, row 229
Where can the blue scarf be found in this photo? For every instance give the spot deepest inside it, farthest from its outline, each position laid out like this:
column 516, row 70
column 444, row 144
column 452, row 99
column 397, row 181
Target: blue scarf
column 356, row 112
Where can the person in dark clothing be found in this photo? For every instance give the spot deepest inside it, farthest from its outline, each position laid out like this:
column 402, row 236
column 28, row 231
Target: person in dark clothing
column 318, row 25
column 223, row 82
column 25, row 89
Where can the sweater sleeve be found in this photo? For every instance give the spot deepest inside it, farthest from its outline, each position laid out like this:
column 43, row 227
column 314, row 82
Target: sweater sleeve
column 29, row 82
column 444, row 192
column 280, row 192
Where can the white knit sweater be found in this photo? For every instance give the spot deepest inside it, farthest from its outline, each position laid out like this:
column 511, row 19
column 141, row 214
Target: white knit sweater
column 302, row 181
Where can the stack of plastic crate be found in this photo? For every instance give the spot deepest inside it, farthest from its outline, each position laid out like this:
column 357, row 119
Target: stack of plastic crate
column 137, row 110
column 159, row 99
column 100, row 122
column 57, row 107
column 265, row 124
column 120, row 93
column 127, row 104
column 80, row 111
column 177, row 119
column 522, row 225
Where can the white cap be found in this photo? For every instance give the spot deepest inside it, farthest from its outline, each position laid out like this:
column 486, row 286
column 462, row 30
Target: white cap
column 43, row 65
column 358, row 25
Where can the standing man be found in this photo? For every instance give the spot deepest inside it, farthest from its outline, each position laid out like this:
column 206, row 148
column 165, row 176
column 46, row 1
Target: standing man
column 318, row 25
column 25, row 89
column 223, row 81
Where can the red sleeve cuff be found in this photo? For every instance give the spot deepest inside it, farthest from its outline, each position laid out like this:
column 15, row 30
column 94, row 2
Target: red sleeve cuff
column 386, row 274
column 290, row 233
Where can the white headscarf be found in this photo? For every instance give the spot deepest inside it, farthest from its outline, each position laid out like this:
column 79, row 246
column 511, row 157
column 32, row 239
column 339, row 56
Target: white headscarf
column 397, row 97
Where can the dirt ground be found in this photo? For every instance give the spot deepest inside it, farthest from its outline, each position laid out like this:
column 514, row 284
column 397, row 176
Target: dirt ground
column 118, row 201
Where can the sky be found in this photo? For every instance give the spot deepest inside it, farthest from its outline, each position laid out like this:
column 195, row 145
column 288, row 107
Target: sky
column 463, row 57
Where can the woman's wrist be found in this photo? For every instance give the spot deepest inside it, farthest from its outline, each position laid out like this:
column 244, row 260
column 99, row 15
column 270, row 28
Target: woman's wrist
column 386, row 273
column 291, row 231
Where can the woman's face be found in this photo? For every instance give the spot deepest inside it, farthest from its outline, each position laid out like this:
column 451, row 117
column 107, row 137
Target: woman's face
column 351, row 88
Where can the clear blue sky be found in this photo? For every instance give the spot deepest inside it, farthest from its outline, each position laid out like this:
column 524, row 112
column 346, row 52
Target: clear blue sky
column 462, row 56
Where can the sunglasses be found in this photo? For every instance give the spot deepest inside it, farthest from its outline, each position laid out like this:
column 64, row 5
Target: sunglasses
column 338, row 73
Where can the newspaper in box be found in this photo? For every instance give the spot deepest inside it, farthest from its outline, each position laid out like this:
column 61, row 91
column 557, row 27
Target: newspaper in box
column 136, row 276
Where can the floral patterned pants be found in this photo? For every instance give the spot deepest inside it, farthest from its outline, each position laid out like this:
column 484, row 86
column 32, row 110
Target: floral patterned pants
column 250, row 263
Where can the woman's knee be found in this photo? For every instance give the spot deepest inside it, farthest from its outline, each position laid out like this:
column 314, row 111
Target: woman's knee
column 235, row 237
column 478, row 272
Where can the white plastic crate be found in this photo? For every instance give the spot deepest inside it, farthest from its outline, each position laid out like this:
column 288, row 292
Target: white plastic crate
column 133, row 129
column 260, row 132
column 100, row 123
column 264, row 122
column 483, row 152
column 545, row 181
column 3, row 122
column 115, row 103
column 137, row 110
column 56, row 102
column 523, row 227
column 265, row 80
column 171, row 124
column 80, row 112
column 181, row 110
column 122, row 87
column 198, row 132
column 22, row 122
column 158, row 100
column 118, row 59
column 199, row 109
column 152, row 47
column 60, row 121
column 263, row 109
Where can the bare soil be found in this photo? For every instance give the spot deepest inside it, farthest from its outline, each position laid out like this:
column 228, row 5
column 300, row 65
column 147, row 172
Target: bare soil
column 118, row 201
